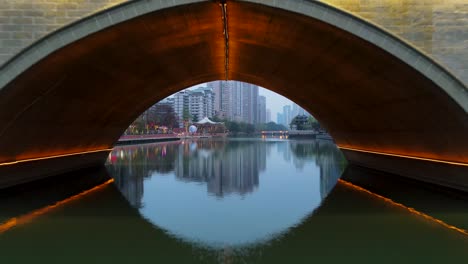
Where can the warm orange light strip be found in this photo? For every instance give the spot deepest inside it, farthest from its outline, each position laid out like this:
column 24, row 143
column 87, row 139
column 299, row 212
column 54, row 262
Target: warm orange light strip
column 411, row 210
column 23, row 219
column 54, row 156
column 407, row 157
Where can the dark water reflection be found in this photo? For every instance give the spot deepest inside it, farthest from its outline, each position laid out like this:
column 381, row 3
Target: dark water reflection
column 233, row 193
column 285, row 207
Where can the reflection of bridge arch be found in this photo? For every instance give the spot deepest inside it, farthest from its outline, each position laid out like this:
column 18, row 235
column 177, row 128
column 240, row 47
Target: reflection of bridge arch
column 372, row 91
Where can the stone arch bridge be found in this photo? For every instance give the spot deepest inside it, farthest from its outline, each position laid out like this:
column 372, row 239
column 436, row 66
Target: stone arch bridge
column 388, row 80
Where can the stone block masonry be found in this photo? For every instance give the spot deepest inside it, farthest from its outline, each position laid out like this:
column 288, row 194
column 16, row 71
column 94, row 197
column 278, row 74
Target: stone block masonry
column 437, row 27
column 24, row 21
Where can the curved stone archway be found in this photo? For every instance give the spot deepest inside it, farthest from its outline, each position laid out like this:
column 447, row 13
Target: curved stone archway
column 72, row 94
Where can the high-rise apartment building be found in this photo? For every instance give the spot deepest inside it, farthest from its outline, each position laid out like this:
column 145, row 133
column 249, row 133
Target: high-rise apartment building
column 262, row 114
column 280, row 118
column 216, row 88
column 236, row 101
column 294, row 110
column 235, row 105
column 249, row 103
column 208, row 103
column 231, row 172
column 287, row 115
column 197, row 103
column 222, row 98
column 181, row 104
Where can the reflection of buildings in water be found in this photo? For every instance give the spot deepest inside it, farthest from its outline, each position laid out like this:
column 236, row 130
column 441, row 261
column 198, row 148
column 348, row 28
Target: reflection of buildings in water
column 131, row 186
column 284, row 148
column 330, row 161
column 326, row 156
column 227, row 168
column 238, row 171
column 299, row 163
column 330, row 172
column 268, row 151
column 302, row 152
column 234, row 169
column 130, row 165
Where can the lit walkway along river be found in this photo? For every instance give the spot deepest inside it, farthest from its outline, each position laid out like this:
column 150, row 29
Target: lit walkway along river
column 227, row 201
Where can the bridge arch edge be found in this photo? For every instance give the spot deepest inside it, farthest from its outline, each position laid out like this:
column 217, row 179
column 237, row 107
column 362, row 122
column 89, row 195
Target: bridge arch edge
column 329, row 14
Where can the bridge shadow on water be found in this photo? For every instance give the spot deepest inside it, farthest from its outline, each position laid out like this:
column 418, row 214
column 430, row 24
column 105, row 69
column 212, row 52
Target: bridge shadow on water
column 102, row 226
column 448, row 205
column 98, row 227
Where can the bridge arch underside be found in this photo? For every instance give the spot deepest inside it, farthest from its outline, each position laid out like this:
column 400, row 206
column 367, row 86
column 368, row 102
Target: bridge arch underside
column 84, row 95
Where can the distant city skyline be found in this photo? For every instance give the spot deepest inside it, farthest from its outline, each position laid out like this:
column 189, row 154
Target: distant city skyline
column 275, row 102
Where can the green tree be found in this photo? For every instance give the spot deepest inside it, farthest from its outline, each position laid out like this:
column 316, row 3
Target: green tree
column 249, row 128
column 302, row 122
column 139, row 125
column 314, row 123
column 270, row 126
column 162, row 115
column 186, row 114
column 233, row 126
column 216, row 119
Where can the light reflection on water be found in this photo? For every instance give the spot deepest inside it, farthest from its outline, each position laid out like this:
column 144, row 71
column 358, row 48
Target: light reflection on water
column 349, row 226
column 226, row 193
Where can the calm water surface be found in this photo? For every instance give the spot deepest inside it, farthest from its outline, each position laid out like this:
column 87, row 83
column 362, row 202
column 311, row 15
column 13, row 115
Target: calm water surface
column 225, row 201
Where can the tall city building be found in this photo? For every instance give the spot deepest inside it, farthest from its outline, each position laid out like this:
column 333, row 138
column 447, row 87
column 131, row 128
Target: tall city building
column 216, row 88
column 225, row 171
column 287, row 115
column 294, row 110
column 280, row 118
column 262, row 112
column 197, row 103
column 221, row 103
column 268, row 116
column 181, row 104
column 249, row 103
column 236, row 101
column 201, row 102
column 208, row 103
column 235, row 107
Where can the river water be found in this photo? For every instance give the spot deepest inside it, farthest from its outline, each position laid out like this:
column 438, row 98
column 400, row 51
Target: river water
column 253, row 200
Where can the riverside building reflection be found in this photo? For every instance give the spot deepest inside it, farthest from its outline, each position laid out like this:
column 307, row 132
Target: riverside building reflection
column 205, row 191
column 284, row 219
column 225, row 170
column 324, row 153
column 130, row 165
